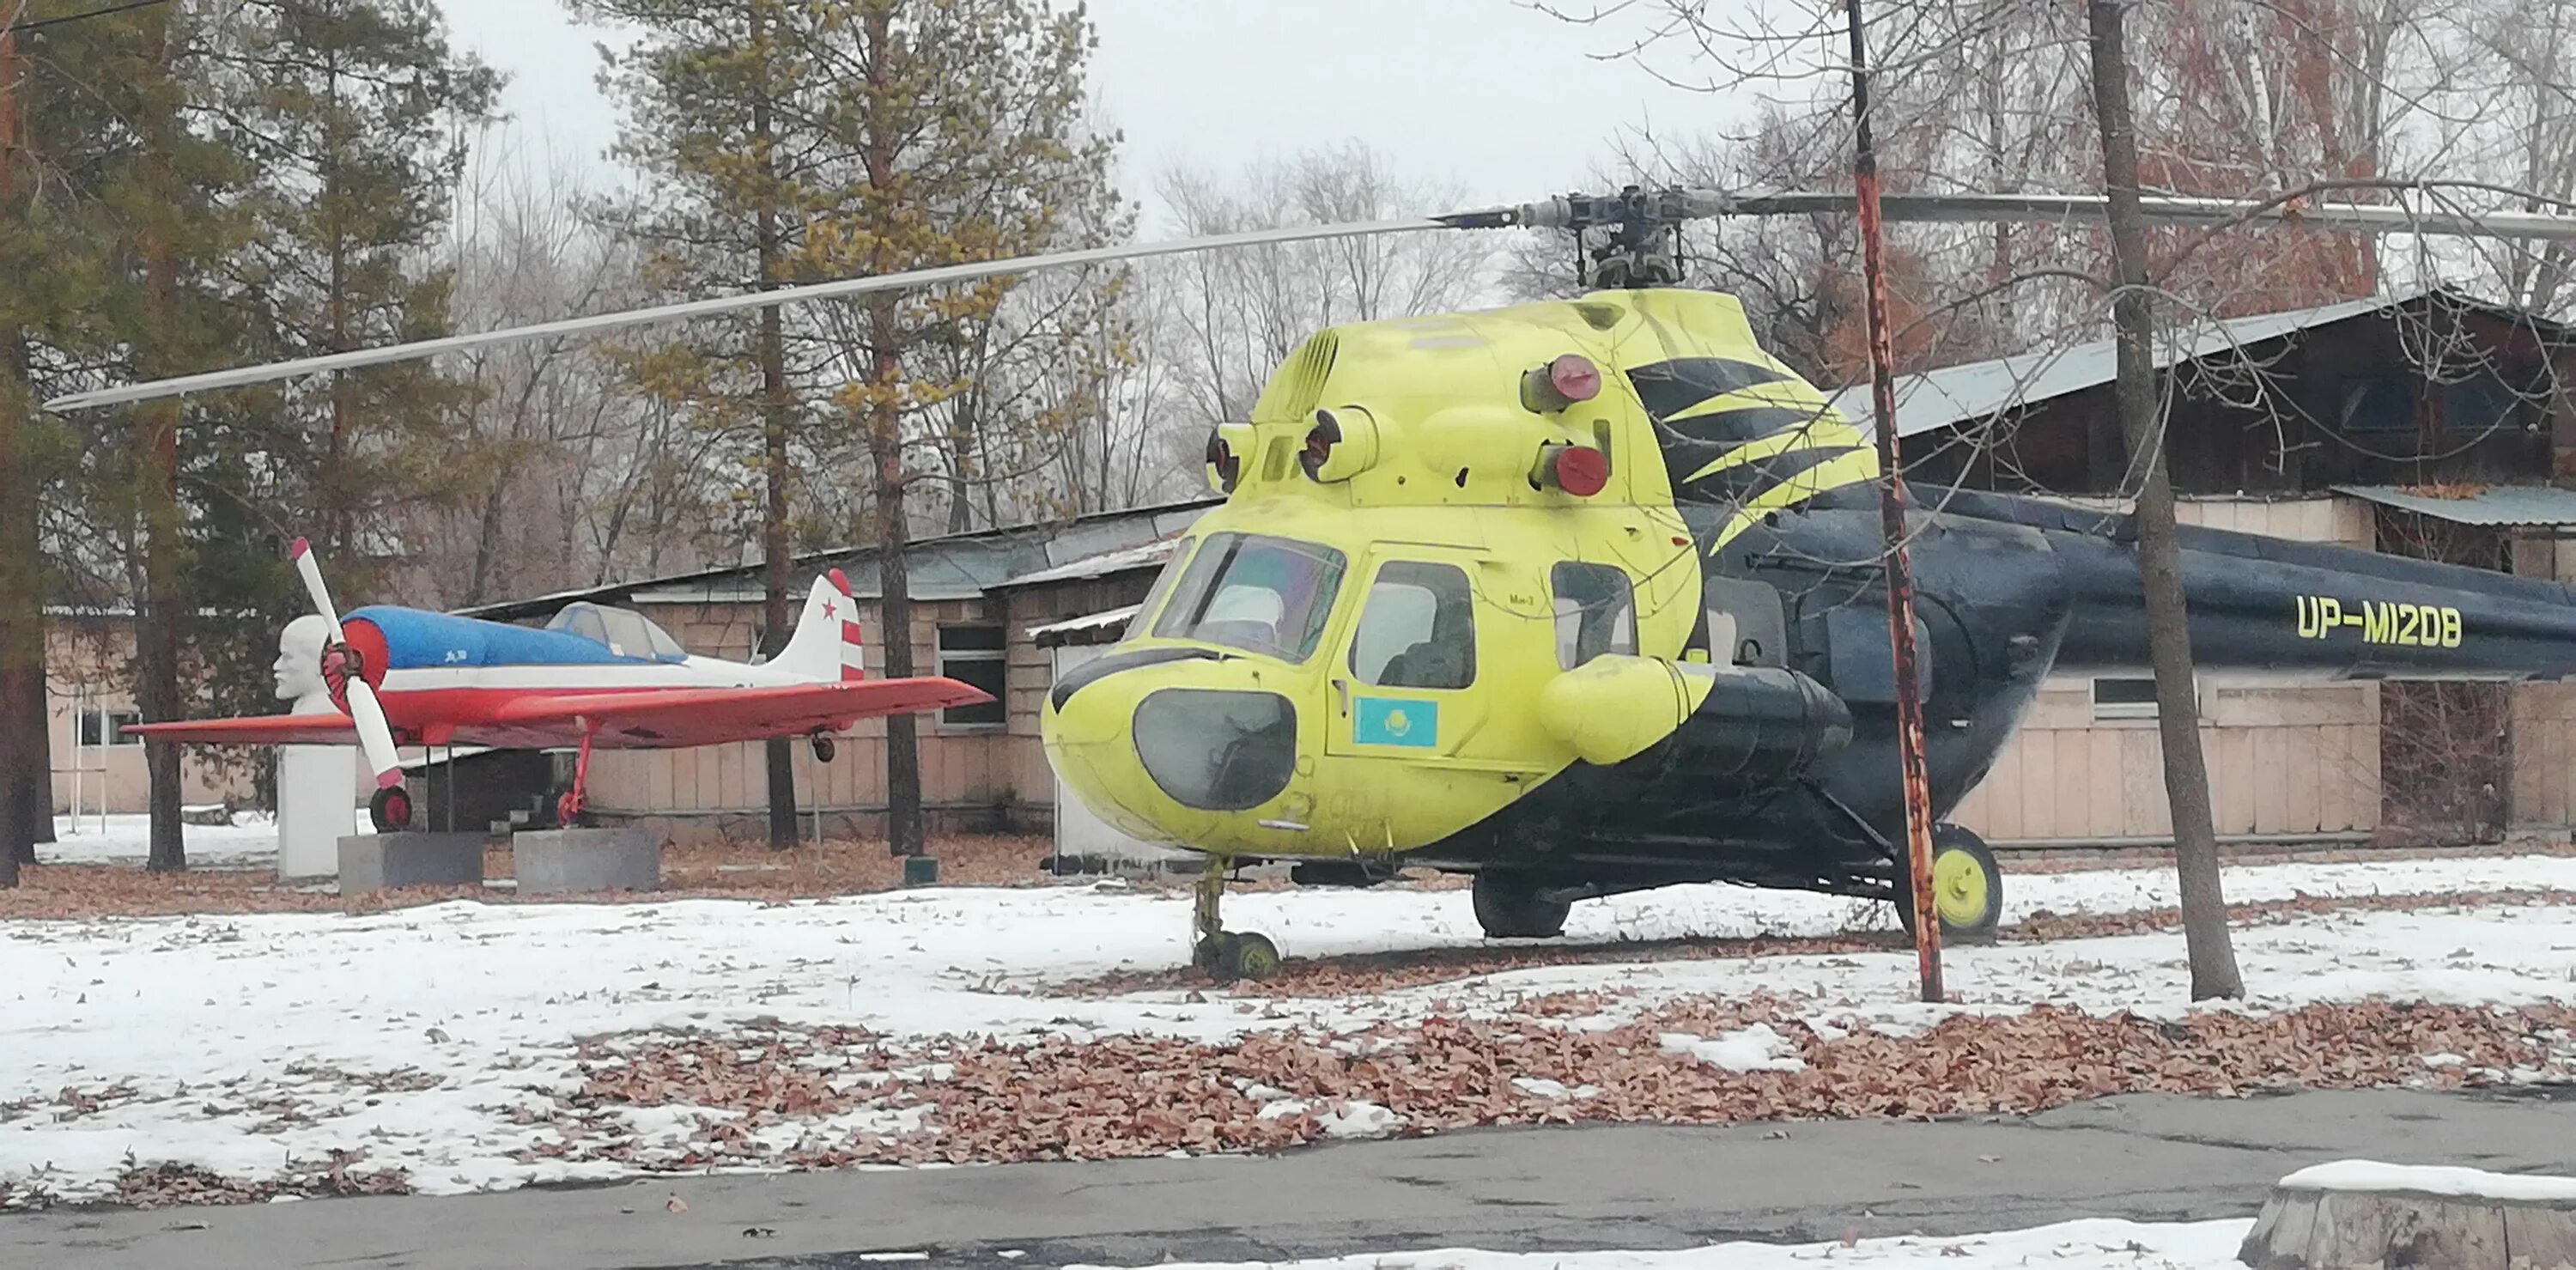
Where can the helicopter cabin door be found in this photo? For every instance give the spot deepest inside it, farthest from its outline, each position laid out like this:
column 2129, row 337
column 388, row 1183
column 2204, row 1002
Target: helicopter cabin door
column 1409, row 685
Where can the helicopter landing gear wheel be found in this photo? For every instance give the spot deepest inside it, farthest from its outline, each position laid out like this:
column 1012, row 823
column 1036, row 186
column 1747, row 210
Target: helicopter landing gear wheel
column 1967, row 887
column 1227, row 954
column 1512, row 906
column 390, row 809
column 824, row 747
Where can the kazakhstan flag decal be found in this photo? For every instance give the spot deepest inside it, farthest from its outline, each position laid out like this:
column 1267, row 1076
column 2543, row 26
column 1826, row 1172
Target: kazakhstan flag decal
column 1386, row 721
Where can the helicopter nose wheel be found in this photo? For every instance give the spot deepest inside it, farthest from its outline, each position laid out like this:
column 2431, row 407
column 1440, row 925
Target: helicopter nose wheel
column 390, row 809
column 1227, row 954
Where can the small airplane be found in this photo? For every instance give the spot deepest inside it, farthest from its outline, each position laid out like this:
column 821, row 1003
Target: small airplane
column 1588, row 596
column 593, row 677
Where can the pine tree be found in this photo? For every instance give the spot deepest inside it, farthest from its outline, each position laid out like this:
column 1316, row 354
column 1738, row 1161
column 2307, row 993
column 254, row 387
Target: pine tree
column 785, row 143
column 352, row 112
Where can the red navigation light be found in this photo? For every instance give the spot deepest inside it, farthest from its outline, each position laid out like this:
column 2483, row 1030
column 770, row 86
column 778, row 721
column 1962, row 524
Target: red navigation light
column 1574, row 378
column 1225, row 467
column 1581, row 470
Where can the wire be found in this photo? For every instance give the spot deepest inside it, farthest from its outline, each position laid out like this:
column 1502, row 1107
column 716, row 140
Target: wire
column 41, row 23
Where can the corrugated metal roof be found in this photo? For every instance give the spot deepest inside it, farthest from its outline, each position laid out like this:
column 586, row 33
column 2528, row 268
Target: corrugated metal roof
column 1054, row 632
column 1939, row 398
column 2489, row 505
column 1146, row 556
column 951, row 566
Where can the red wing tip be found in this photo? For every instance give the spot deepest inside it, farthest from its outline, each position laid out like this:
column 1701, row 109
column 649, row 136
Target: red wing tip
column 298, row 549
column 389, row 778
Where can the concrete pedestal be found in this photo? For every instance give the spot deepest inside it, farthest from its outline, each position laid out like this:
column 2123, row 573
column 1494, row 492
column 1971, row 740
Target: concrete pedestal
column 316, row 801
column 556, row 861
column 376, row 861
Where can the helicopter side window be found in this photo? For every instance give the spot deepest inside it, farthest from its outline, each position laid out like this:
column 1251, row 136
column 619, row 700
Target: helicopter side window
column 1418, row 629
column 1259, row 594
column 1596, row 612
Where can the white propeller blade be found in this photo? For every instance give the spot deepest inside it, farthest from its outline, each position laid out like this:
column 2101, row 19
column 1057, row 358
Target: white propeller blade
column 726, row 304
column 374, row 734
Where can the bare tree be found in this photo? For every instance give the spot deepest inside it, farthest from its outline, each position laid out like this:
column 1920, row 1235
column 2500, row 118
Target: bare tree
column 2204, row 909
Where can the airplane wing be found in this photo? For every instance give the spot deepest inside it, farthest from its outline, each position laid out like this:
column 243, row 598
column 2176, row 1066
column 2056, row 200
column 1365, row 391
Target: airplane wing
column 676, row 718
column 267, row 729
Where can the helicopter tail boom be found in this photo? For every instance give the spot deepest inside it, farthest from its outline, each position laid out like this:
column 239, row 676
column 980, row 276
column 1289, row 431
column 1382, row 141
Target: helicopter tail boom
column 2319, row 611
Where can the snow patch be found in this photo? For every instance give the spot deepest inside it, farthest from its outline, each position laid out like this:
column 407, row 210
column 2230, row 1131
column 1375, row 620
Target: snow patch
column 2430, row 1179
column 2090, row 1244
column 1358, row 1119
column 1752, row 1049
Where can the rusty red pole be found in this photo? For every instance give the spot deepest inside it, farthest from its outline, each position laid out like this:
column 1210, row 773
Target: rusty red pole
column 1891, row 514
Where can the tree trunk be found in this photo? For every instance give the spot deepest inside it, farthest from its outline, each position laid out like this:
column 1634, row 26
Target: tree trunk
column 156, row 450
column 2204, row 909
column 885, row 453
column 25, row 768
column 776, row 548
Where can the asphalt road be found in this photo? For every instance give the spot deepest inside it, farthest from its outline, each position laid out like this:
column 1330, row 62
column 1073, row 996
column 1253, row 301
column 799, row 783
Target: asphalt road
column 1600, row 1186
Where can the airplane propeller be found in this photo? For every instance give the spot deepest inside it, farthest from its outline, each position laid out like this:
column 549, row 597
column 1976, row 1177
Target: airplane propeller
column 374, row 734
column 1640, row 221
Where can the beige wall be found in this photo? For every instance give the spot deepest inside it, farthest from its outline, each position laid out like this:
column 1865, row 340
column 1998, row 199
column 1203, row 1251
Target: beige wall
column 85, row 668
column 2282, row 760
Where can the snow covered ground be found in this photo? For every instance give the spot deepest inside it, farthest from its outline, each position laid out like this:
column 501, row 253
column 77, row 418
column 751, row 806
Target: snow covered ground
column 420, row 1034
column 249, row 842
column 2075, row 1245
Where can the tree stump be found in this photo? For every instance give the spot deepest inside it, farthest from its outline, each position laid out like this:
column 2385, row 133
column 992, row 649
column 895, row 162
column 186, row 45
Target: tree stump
column 2356, row 1213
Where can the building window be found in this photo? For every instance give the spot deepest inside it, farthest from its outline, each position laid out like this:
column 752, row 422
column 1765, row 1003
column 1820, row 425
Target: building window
column 1596, row 612
column 2124, row 698
column 101, row 729
column 2377, row 403
column 974, row 656
column 2477, row 405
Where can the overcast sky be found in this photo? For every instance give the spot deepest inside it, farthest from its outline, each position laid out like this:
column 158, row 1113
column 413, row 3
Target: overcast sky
column 1501, row 102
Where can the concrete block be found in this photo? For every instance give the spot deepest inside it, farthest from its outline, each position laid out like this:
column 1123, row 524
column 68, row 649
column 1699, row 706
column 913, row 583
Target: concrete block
column 555, row 861
column 375, row 861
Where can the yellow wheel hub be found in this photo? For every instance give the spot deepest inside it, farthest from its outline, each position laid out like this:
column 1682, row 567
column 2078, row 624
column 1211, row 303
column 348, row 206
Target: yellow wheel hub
column 1959, row 888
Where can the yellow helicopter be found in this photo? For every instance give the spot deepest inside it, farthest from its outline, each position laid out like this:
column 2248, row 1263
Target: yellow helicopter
column 1586, row 596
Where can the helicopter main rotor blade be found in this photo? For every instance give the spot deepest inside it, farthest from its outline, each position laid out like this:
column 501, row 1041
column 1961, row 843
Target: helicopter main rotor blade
column 239, row 376
column 2376, row 218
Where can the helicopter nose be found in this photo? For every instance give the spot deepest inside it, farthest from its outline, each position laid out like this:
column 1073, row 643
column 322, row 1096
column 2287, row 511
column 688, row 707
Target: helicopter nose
column 1153, row 758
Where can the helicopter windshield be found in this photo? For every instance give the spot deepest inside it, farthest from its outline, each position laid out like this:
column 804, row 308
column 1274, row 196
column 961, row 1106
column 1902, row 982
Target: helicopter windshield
column 1259, row 594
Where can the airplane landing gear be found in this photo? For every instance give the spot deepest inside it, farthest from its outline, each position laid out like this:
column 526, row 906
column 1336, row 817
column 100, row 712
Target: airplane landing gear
column 824, row 747
column 568, row 807
column 390, row 809
column 1227, row 954
column 1513, row 906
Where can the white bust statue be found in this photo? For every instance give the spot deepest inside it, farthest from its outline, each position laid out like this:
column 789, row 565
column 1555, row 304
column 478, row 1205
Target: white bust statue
column 299, row 665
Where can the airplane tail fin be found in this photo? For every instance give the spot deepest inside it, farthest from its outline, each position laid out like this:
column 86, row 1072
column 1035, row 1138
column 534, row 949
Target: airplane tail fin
column 825, row 643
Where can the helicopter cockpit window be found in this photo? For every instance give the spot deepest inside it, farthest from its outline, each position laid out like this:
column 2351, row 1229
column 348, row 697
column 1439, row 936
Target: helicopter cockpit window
column 1596, row 612
column 1161, row 590
column 1418, row 629
column 1259, row 594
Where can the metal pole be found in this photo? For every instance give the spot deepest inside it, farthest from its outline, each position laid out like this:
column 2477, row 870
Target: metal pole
column 1891, row 514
